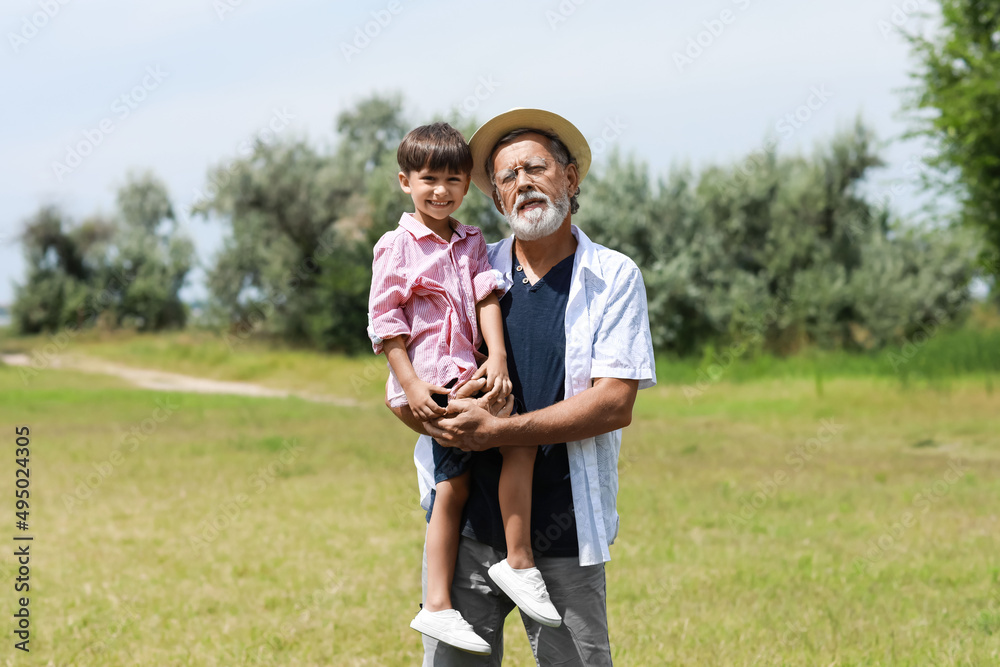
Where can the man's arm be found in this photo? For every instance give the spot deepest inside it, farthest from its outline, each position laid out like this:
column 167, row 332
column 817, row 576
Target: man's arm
column 405, row 415
column 602, row 408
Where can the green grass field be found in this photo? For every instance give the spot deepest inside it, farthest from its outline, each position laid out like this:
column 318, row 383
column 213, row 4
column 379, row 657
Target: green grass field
column 769, row 521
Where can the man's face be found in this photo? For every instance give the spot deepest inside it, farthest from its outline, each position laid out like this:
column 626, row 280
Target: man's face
column 532, row 188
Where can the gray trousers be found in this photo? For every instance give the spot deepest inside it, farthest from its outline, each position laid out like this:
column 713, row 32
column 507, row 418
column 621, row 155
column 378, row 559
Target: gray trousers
column 578, row 593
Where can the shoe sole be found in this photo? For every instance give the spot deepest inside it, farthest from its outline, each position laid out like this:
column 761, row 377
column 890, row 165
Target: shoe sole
column 450, row 641
column 548, row 622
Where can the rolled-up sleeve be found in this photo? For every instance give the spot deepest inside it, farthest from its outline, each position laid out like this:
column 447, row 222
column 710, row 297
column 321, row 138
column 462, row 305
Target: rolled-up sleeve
column 623, row 346
column 486, row 279
column 485, row 284
column 390, row 290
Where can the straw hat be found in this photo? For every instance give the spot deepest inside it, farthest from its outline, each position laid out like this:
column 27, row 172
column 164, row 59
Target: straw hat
column 496, row 128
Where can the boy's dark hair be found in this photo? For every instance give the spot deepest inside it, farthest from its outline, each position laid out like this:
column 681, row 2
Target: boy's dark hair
column 438, row 147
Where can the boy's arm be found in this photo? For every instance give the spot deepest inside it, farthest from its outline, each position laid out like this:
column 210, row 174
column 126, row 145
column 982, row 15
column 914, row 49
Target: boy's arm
column 418, row 392
column 389, row 291
column 491, row 323
column 498, row 382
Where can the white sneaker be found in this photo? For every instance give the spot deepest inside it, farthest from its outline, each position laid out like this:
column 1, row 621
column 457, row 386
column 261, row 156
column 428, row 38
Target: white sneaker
column 527, row 590
column 449, row 627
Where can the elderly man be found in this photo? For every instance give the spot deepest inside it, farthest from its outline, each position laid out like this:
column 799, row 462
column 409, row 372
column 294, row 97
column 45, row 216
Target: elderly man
column 578, row 349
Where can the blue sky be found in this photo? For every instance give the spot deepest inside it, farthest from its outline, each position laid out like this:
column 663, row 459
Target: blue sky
column 179, row 86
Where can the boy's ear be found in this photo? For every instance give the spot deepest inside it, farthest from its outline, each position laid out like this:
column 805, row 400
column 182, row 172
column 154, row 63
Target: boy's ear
column 404, row 182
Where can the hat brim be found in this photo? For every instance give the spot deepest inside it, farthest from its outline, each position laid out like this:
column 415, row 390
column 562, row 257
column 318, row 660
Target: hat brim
column 487, row 136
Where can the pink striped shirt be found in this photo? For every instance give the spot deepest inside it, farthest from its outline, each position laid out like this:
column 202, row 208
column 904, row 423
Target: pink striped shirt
column 426, row 288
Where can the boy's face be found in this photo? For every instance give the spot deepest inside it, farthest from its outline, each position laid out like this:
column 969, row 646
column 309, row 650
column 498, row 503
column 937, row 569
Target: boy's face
column 436, row 194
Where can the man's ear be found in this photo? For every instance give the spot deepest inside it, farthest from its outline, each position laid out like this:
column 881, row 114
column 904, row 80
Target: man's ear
column 573, row 176
column 404, row 182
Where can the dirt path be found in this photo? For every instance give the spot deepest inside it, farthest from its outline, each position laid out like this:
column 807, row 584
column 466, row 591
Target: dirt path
column 148, row 378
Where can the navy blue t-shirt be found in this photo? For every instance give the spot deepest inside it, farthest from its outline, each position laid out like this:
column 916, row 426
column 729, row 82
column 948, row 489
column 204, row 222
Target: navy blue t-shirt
column 534, row 318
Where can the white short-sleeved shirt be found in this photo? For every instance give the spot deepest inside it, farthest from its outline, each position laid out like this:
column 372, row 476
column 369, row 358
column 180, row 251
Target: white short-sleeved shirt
column 607, row 336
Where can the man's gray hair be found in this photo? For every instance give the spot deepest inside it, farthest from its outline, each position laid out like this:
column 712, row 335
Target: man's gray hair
column 556, row 147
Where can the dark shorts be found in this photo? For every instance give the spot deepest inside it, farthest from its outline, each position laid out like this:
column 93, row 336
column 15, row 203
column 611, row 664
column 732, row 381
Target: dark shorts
column 449, row 462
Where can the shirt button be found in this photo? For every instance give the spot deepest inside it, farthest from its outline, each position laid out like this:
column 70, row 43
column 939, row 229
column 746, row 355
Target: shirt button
column 524, row 280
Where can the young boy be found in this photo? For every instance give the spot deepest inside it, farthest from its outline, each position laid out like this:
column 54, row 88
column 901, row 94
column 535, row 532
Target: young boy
column 431, row 281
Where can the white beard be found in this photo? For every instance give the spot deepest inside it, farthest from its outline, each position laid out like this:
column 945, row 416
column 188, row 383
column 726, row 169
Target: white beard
column 540, row 222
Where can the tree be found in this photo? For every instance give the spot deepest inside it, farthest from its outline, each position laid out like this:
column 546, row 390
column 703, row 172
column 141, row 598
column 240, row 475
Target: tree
column 126, row 270
column 62, row 260
column 297, row 261
column 370, row 133
column 955, row 103
column 280, row 202
column 776, row 251
column 153, row 255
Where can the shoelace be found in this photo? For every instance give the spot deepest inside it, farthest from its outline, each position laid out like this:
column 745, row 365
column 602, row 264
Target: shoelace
column 539, row 585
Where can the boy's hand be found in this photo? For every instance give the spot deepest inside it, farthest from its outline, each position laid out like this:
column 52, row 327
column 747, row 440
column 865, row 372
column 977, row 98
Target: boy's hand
column 419, row 395
column 498, row 385
column 501, row 407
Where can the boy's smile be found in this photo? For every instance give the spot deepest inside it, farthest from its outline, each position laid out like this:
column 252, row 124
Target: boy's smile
column 436, row 195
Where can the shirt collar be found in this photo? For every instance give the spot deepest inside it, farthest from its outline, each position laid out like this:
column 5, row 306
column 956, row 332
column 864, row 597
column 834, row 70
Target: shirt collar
column 585, row 259
column 586, row 252
column 419, row 230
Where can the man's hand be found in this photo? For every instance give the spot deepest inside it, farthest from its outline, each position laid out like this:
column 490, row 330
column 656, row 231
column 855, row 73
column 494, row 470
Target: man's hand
column 498, row 406
column 471, row 424
column 472, row 386
column 492, row 378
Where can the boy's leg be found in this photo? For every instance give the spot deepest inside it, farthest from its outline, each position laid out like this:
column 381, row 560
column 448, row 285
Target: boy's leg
column 580, row 594
column 482, row 606
column 517, row 575
column 442, row 540
column 515, row 503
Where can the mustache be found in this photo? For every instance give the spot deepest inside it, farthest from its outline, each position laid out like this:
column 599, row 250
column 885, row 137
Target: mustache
column 540, row 223
column 528, row 197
